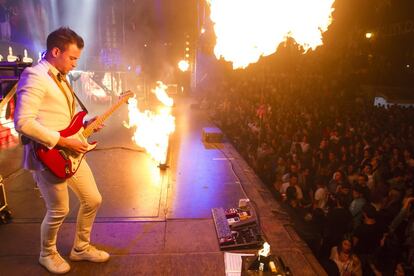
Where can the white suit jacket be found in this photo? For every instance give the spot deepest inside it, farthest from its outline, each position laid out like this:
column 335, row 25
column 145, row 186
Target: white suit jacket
column 41, row 110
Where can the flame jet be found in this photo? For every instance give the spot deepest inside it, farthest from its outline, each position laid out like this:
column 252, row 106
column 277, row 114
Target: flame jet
column 248, row 29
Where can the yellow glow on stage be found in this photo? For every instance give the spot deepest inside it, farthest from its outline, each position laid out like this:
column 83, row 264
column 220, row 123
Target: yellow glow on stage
column 248, row 29
column 152, row 129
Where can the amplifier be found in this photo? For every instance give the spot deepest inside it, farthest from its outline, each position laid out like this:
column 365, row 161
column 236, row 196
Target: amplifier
column 212, row 135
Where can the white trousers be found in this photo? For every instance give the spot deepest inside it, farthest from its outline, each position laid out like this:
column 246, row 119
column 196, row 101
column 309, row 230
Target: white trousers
column 56, row 196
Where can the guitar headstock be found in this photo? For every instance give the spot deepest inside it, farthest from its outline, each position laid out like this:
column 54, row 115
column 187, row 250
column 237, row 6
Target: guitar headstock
column 124, row 96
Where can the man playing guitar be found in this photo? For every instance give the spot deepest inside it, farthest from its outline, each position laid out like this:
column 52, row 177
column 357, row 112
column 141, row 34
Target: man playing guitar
column 46, row 105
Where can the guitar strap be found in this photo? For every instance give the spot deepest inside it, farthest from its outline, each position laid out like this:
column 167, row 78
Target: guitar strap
column 59, row 84
column 74, row 94
column 62, row 89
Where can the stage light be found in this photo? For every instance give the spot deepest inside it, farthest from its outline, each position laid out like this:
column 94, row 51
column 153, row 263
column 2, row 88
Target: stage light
column 187, row 49
column 187, row 55
column 408, row 65
column 80, row 17
column 203, row 30
column 369, row 35
column 183, row 65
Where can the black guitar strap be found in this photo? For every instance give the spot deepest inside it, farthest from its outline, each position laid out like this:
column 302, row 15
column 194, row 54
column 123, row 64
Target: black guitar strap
column 80, row 103
column 73, row 93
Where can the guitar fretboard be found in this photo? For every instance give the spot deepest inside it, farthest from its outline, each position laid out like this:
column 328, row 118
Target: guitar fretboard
column 88, row 131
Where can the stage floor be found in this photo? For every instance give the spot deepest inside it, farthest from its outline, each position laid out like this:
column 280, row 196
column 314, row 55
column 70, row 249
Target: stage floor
column 152, row 221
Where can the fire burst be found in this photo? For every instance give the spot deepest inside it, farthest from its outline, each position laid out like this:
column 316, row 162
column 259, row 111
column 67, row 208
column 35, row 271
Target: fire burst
column 249, row 29
column 153, row 128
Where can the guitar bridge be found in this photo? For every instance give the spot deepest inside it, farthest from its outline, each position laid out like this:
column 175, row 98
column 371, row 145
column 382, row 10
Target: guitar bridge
column 66, row 157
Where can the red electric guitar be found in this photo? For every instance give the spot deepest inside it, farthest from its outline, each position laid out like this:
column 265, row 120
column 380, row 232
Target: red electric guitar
column 64, row 163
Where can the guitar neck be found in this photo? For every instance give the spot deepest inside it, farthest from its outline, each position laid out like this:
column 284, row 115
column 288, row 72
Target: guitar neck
column 88, row 131
column 8, row 97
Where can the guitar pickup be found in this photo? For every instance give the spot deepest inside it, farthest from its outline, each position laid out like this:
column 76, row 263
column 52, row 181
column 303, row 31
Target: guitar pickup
column 64, row 155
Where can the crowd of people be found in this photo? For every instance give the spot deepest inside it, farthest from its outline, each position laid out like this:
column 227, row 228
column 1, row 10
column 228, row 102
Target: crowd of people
column 342, row 168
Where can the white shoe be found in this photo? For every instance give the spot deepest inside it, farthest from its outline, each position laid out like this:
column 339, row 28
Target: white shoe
column 91, row 254
column 54, row 263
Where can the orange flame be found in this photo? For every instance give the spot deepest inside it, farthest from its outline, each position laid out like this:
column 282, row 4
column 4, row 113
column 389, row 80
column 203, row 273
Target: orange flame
column 161, row 93
column 152, row 128
column 248, row 29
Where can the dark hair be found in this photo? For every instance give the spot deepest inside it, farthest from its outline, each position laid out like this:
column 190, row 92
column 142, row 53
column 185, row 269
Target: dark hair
column 376, row 197
column 62, row 37
column 291, row 193
column 293, row 175
column 398, row 172
column 368, row 165
column 346, row 237
column 369, row 211
column 342, row 201
column 358, row 189
column 330, row 267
